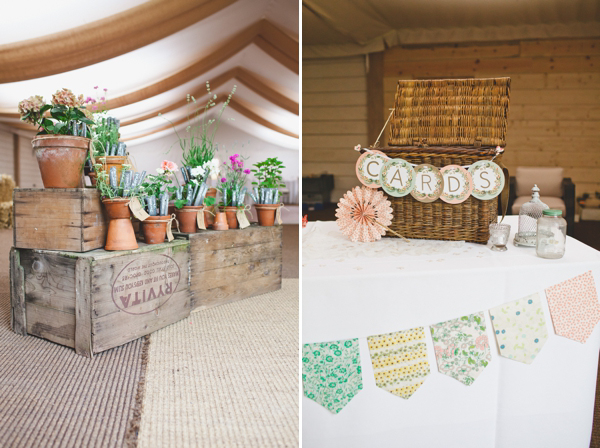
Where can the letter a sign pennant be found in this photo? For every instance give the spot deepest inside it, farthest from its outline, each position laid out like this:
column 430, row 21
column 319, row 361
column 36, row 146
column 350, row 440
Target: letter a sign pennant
column 429, row 183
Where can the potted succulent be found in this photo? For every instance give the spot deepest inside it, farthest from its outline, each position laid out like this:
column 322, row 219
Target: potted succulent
column 62, row 143
column 233, row 191
column 199, row 160
column 116, row 196
column 266, row 193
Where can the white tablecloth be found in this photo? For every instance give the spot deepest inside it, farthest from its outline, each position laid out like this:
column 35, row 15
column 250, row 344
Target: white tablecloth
column 362, row 289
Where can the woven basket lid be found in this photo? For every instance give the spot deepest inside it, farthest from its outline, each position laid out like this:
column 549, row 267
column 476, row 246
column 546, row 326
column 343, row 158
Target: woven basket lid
column 450, row 112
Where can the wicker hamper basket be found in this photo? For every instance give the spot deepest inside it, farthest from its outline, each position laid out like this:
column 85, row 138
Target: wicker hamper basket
column 448, row 122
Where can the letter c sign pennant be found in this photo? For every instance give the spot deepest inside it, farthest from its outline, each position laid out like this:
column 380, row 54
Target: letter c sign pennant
column 368, row 167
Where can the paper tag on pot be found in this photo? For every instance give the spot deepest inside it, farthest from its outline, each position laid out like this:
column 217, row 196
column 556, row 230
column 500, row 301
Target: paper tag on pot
column 137, row 209
column 242, row 219
column 170, row 236
column 278, row 216
column 200, row 220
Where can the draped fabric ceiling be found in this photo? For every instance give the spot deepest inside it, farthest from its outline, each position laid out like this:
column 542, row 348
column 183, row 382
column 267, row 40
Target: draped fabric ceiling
column 335, row 28
column 151, row 54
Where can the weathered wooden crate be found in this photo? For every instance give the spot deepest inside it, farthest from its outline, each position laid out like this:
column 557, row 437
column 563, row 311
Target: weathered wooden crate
column 98, row 300
column 68, row 219
column 231, row 265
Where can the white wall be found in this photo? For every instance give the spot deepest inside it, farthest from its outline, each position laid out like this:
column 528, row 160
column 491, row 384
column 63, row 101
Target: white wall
column 148, row 156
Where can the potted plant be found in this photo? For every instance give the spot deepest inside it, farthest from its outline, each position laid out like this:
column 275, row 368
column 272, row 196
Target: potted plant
column 233, row 191
column 266, row 193
column 157, row 190
column 116, row 197
column 199, row 160
column 62, row 143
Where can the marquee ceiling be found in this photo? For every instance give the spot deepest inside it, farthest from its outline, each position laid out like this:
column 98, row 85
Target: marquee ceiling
column 151, row 54
column 333, row 28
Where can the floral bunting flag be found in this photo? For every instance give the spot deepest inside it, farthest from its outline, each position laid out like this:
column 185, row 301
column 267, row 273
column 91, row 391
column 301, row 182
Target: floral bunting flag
column 574, row 307
column 520, row 328
column 400, row 361
column 461, row 347
column 331, row 373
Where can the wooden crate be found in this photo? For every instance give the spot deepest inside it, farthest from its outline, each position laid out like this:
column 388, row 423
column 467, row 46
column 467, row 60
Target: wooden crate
column 98, row 300
column 67, row 219
column 231, row 265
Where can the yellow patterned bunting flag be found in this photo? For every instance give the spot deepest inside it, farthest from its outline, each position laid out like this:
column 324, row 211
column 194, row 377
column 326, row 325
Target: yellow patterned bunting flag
column 400, row 361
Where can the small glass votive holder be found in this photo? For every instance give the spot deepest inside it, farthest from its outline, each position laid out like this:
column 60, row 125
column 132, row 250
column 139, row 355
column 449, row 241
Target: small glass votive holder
column 499, row 236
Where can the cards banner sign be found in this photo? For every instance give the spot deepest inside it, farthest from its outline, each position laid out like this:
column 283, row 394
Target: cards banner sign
column 332, row 374
column 452, row 184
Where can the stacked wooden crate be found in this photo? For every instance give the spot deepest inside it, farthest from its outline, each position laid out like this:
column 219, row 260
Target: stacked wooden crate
column 67, row 289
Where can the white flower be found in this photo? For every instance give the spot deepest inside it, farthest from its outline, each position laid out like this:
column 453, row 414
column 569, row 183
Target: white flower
column 198, row 171
column 159, row 170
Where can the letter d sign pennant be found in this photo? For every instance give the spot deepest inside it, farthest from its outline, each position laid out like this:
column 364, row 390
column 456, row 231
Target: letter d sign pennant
column 458, row 184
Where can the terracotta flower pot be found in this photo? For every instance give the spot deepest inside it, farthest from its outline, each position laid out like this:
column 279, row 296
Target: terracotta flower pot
column 186, row 216
column 61, row 159
column 93, row 178
column 209, row 218
column 108, row 162
column 120, row 230
column 266, row 214
column 155, row 229
column 220, row 221
column 230, row 212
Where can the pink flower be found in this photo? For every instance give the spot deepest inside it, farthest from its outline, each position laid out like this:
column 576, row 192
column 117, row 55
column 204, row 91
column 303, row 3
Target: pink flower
column 223, row 180
column 102, row 98
column 31, row 105
column 67, row 98
column 105, row 89
column 247, row 171
column 168, row 166
column 481, row 342
column 94, row 107
column 95, row 87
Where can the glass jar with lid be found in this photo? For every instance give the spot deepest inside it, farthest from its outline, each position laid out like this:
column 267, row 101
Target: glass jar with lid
column 551, row 234
column 528, row 216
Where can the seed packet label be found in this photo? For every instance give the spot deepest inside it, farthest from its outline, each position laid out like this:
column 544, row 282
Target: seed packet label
column 429, row 183
column 278, row 216
column 242, row 219
column 137, row 209
column 458, row 184
column 368, row 168
column 200, row 220
column 397, row 177
column 488, row 179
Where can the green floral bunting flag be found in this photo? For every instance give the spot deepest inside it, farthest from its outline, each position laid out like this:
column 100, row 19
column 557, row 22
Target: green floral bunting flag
column 331, row 373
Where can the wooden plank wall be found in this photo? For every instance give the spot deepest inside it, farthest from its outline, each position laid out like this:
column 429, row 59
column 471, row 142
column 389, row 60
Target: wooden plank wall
column 554, row 116
column 6, row 154
column 554, row 111
column 334, row 118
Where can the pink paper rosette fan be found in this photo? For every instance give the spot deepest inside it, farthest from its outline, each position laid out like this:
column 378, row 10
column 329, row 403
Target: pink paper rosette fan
column 363, row 214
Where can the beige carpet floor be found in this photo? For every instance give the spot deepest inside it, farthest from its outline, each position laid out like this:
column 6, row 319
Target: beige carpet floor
column 52, row 397
column 226, row 376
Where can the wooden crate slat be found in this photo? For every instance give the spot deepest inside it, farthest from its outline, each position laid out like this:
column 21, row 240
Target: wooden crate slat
column 51, row 324
column 83, row 307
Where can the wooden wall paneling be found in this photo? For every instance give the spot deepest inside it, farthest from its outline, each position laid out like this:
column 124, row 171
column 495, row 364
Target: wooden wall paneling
column 7, row 154
column 334, row 118
column 375, row 117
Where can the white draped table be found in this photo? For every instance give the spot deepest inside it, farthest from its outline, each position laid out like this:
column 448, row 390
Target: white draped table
column 362, row 289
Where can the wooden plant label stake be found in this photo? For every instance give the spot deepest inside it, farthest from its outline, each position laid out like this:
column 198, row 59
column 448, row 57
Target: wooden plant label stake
column 137, row 209
column 242, row 219
column 200, row 219
column 278, row 215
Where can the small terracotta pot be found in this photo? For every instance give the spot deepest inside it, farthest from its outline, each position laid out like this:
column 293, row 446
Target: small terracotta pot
column 230, row 212
column 93, row 178
column 266, row 214
column 61, row 159
column 109, row 161
column 209, row 218
column 186, row 216
column 220, row 221
column 120, row 230
column 155, row 229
